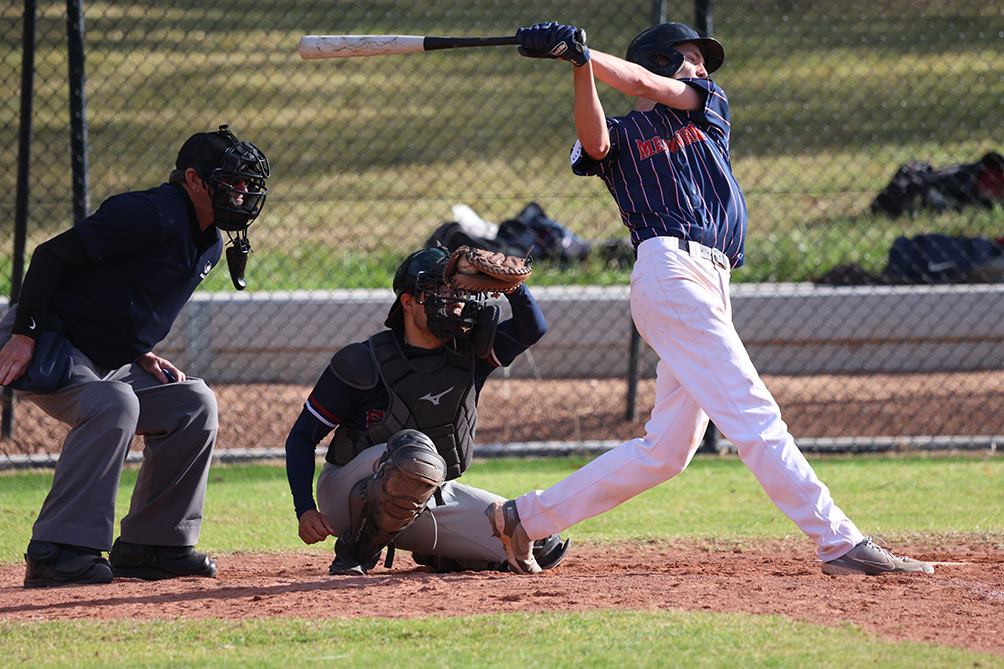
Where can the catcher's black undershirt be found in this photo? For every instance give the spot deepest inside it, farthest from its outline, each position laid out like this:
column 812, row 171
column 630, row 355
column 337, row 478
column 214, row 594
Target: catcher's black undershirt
column 332, row 402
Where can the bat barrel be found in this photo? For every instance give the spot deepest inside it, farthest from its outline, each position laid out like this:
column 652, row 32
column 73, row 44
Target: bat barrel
column 348, row 46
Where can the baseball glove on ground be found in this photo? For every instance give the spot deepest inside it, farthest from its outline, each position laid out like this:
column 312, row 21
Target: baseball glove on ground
column 483, row 271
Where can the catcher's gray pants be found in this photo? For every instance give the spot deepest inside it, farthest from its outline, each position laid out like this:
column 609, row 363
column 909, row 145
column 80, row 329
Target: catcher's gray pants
column 457, row 528
column 105, row 409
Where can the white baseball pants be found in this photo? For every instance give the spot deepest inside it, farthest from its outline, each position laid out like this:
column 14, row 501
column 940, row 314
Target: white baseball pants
column 681, row 306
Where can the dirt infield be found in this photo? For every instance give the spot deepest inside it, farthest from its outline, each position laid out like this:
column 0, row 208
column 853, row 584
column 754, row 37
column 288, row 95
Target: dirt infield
column 961, row 605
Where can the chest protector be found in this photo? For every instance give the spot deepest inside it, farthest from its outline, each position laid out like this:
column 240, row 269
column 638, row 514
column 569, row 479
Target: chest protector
column 432, row 394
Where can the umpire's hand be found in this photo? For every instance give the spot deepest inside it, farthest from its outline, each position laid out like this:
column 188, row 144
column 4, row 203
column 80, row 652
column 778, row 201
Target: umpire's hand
column 314, row 527
column 15, row 357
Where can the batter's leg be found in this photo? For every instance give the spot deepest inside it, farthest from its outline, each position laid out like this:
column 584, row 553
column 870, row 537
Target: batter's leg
column 705, row 353
column 672, row 435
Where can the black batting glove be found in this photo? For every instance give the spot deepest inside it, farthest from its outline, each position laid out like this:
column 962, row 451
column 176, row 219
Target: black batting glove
column 553, row 40
column 569, row 43
column 535, row 41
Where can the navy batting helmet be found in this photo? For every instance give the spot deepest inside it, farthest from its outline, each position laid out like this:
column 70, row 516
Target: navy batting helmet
column 647, row 47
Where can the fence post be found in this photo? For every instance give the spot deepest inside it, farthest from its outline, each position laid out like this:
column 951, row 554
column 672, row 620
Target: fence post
column 634, row 361
column 658, row 15
column 78, row 109
column 23, row 174
column 702, row 17
column 658, row 12
column 702, row 21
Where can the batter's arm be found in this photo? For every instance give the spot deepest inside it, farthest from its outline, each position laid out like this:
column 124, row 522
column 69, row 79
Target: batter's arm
column 590, row 120
column 633, row 79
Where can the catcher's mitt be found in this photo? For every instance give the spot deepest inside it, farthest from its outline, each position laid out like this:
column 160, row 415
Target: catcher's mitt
column 483, row 271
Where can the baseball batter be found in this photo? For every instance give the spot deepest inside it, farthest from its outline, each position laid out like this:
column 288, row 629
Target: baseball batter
column 667, row 165
column 403, row 407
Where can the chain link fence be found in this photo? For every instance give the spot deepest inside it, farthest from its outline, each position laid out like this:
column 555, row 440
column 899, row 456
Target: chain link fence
column 864, row 134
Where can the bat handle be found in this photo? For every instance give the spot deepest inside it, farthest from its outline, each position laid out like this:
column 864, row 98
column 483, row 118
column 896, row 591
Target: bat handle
column 580, row 35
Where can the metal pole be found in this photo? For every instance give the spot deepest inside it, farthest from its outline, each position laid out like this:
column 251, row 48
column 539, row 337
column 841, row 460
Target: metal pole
column 658, row 12
column 634, row 362
column 658, row 15
column 21, row 198
column 702, row 20
column 702, row 15
column 78, row 109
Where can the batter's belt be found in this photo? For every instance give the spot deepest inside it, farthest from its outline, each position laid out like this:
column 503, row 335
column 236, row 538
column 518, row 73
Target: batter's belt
column 696, row 250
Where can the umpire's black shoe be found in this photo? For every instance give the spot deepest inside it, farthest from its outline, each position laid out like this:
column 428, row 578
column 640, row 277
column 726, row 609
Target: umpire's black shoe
column 153, row 563
column 50, row 564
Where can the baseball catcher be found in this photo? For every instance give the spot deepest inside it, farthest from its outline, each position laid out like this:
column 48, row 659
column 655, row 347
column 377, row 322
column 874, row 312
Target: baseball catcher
column 403, row 409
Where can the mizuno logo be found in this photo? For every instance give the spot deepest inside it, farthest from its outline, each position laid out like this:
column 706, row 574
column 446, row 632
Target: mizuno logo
column 31, row 324
column 435, row 398
column 205, row 270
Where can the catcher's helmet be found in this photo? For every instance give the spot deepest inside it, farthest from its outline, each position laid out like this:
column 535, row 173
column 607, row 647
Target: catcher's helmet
column 223, row 161
column 656, row 40
column 421, row 273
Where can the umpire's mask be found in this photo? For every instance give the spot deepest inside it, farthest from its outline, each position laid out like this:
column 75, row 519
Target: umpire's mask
column 234, row 173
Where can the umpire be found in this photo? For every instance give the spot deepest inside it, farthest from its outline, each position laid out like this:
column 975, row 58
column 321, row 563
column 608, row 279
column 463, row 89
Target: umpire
column 95, row 301
column 403, row 407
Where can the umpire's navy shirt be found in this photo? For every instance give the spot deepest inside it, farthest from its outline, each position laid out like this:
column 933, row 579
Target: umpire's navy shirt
column 670, row 173
column 148, row 256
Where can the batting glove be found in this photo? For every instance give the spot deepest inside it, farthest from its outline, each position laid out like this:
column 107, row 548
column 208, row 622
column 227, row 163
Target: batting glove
column 553, row 40
column 569, row 43
column 535, row 41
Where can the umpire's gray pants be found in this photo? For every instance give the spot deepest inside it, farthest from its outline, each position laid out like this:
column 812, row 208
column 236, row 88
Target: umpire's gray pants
column 456, row 529
column 105, row 409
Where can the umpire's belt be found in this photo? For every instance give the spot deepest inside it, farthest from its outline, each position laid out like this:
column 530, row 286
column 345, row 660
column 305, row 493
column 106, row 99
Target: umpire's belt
column 701, row 251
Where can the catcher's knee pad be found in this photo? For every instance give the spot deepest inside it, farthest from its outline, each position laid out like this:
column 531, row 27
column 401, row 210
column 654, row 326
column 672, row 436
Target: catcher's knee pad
column 387, row 503
column 409, row 474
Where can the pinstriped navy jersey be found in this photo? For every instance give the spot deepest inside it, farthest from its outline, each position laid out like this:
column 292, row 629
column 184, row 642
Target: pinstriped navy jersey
column 671, row 175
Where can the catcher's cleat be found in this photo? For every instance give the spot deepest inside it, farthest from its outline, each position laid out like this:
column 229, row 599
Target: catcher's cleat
column 506, row 526
column 870, row 558
column 49, row 564
column 155, row 563
column 343, row 566
column 550, row 551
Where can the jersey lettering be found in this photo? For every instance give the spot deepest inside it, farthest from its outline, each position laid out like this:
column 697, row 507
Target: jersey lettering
column 684, row 136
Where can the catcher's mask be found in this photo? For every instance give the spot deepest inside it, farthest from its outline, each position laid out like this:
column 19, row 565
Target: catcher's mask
column 421, row 275
column 234, row 173
column 649, row 48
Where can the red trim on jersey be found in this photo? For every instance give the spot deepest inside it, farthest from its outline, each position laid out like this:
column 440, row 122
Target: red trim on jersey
column 321, row 410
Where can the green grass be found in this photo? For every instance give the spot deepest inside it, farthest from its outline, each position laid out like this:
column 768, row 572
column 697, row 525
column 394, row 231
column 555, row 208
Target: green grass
column 595, row 639
column 716, row 497
column 249, row 508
